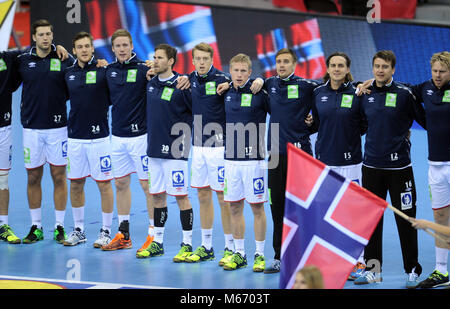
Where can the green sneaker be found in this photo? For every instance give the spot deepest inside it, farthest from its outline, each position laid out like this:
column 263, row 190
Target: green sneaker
column 227, row 255
column 201, row 254
column 6, row 234
column 34, row 235
column 59, row 235
column 237, row 261
column 436, row 279
column 155, row 249
column 185, row 251
column 259, row 264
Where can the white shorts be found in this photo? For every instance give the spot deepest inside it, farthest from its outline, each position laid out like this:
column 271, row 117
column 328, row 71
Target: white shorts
column 129, row 155
column 352, row 172
column 439, row 181
column 5, row 148
column 245, row 180
column 46, row 145
column 166, row 175
column 208, row 167
column 89, row 157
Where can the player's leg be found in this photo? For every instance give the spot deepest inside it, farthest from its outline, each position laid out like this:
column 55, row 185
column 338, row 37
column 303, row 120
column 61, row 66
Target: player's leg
column 77, row 200
column 34, row 157
column 277, row 190
column 157, row 197
column 56, row 154
column 255, row 186
column 6, row 232
column 403, row 197
column 58, row 174
column 107, row 205
column 77, row 171
column 239, row 258
column 375, row 181
column 176, row 172
column 100, row 164
column 439, row 182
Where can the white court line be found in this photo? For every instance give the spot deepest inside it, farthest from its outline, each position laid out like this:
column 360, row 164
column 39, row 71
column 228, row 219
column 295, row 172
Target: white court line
column 97, row 285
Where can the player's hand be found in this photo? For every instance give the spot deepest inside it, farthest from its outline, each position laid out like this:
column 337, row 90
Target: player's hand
column 418, row 223
column 102, row 63
column 364, row 87
column 183, row 82
column 222, row 88
column 309, row 120
column 151, row 72
column 257, row 85
column 62, row 52
column 149, row 63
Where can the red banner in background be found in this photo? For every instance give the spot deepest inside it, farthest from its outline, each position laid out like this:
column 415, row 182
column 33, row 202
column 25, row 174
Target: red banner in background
column 391, row 9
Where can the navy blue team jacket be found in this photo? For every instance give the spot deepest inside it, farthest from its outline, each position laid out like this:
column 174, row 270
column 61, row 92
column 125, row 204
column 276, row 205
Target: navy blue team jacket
column 9, row 82
column 89, row 101
column 127, row 87
column 338, row 116
column 290, row 102
column 390, row 112
column 210, row 106
column 244, row 110
column 167, row 106
column 437, row 111
column 44, row 94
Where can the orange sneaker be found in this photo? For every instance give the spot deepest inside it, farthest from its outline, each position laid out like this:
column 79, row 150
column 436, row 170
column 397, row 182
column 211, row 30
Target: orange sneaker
column 118, row 242
column 147, row 243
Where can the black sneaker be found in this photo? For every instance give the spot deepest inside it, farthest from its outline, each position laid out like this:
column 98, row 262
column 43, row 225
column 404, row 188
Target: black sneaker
column 34, row 235
column 59, row 235
column 434, row 280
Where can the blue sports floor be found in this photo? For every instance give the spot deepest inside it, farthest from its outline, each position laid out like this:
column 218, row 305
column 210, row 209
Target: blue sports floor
column 49, row 261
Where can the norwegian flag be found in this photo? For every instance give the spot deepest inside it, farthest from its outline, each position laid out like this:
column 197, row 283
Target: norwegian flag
column 304, row 39
column 180, row 25
column 328, row 220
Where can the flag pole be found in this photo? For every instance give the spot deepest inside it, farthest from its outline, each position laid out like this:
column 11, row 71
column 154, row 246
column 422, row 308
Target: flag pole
column 404, row 216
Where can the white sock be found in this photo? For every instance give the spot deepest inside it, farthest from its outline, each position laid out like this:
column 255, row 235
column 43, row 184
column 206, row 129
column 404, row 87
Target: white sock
column 260, row 247
column 239, row 246
column 229, row 242
column 207, row 238
column 3, row 220
column 107, row 221
column 151, row 222
column 36, row 217
column 361, row 258
column 59, row 217
column 441, row 260
column 151, row 231
column 159, row 234
column 78, row 217
column 187, row 237
column 123, row 218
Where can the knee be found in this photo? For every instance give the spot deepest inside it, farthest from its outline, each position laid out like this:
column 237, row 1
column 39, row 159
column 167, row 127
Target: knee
column 204, row 194
column 122, row 184
column 34, row 177
column 258, row 210
column 58, row 175
column 76, row 186
column 104, row 186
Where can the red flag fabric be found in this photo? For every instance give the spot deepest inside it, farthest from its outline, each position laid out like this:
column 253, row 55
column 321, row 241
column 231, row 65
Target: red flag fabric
column 398, row 9
column 327, row 223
